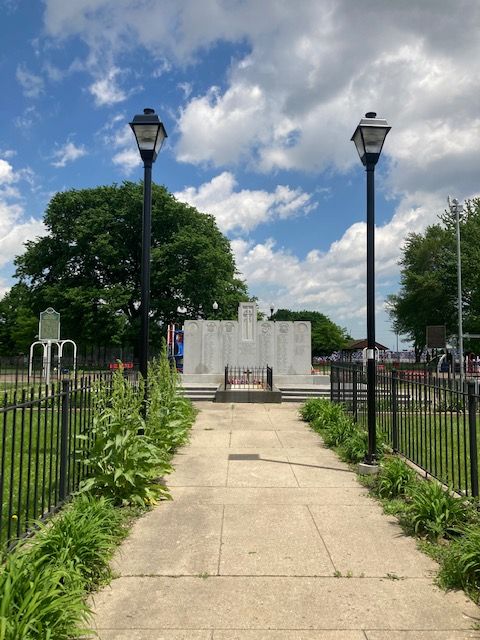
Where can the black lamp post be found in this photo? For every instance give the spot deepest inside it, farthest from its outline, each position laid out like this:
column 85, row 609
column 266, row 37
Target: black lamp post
column 150, row 135
column 272, row 309
column 215, row 309
column 369, row 137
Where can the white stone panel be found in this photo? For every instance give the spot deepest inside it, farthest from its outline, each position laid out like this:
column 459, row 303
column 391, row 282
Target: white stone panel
column 302, row 352
column 212, row 347
column 192, row 358
column 265, row 344
column 284, row 348
column 229, row 331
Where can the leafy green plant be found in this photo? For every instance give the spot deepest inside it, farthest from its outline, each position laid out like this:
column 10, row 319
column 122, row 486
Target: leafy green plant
column 461, row 563
column 82, row 538
column 123, row 464
column 170, row 415
column 394, row 479
column 40, row 601
column 328, row 414
column 434, row 512
column 339, row 430
column 312, row 408
column 355, row 446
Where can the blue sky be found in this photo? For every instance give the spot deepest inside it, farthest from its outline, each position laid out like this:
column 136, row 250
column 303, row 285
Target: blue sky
column 259, row 99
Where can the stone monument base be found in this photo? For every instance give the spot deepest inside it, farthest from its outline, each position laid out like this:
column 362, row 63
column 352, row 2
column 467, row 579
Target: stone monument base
column 248, row 395
column 279, row 380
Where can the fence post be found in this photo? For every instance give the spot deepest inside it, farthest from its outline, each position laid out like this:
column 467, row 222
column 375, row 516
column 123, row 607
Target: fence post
column 472, row 428
column 64, row 436
column 395, row 410
column 332, row 377
column 354, row 393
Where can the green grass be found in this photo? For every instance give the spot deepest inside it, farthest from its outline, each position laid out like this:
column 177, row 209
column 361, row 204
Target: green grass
column 44, row 583
column 436, row 441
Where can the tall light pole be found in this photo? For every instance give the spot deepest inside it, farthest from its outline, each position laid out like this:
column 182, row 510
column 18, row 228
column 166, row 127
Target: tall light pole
column 457, row 209
column 369, row 137
column 215, row 309
column 272, row 309
column 150, row 135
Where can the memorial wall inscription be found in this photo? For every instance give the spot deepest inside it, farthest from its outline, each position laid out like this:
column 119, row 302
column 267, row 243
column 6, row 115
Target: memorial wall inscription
column 210, row 345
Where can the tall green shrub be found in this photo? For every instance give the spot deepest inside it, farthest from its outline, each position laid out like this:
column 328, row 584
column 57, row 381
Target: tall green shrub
column 123, row 464
column 170, row 415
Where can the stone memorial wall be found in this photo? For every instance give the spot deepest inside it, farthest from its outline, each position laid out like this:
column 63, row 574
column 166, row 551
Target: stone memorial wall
column 212, row 344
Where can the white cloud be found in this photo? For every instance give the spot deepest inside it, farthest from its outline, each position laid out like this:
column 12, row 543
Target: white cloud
column 334, row 281
column 128, row 160
column 26, row 120
column 245, row 209
column 106, row 91
column 6, row 172
column 292, row 99
column 32, row 85
column 121, row 138
column 68, row 153
column 15, row 229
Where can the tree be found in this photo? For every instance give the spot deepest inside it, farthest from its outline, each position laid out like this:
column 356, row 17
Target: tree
column 88, row 266
column 327, row 336
column 18, row 324
column 428, row 291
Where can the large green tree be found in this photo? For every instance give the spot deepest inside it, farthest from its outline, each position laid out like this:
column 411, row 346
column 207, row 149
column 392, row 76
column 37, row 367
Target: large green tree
column 327, row 336
column 88, row 265
column 428, row 291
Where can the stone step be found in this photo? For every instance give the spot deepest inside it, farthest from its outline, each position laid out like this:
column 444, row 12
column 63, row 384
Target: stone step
column 199, row 393
column 302, row 394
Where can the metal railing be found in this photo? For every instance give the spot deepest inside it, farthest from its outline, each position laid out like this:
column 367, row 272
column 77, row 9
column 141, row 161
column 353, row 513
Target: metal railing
column 41, row 453
column 250, row 378
column 432, row 422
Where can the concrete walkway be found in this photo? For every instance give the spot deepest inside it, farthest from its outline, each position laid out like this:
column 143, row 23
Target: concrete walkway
column 270, row 537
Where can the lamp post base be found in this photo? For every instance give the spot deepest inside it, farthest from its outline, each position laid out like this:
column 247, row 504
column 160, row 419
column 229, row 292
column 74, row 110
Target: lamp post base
column 366, row 469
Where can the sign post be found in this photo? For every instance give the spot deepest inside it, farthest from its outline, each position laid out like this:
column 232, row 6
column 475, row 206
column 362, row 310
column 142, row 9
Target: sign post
column 48, row 331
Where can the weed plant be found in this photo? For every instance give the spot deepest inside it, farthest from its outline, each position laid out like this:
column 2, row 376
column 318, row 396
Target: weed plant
column 434, row 512
column 395, row 479
column 338, row 430
column 82, row 539
column 39, row 601
column 311, row 409
column 461, row 564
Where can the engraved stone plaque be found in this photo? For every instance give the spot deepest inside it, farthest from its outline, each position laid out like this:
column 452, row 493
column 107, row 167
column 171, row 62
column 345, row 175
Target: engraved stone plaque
column 302, row 348
column 192, row 358
column 230, row 343
column 265, row 342
column 284, row 348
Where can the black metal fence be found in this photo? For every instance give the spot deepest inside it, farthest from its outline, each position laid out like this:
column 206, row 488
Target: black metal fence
column 41, row 454
column 251, row 378
column 433, row 422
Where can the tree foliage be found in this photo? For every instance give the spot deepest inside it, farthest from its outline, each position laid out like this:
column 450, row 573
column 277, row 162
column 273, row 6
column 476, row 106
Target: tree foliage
column 88, row 265
column 326, row 335
column 428, row 292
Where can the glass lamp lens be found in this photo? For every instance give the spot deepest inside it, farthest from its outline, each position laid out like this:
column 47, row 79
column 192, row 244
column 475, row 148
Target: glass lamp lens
column 160, row 139
column 374, row 138
column 146, row 135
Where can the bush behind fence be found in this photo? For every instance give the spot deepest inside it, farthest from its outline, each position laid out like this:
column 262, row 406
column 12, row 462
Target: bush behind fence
column 41, row 453
column 433, row 422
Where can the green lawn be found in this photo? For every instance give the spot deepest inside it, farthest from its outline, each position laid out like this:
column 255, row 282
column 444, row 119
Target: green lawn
column 437, row 441
column 30, row 461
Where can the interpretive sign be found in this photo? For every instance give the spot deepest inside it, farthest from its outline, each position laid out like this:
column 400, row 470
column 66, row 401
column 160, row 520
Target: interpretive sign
column 49, row 326
column 436, row 336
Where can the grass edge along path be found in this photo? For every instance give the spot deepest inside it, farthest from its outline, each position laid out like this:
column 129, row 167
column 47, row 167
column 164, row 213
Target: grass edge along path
column 45, row 581
column 446, row 525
